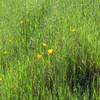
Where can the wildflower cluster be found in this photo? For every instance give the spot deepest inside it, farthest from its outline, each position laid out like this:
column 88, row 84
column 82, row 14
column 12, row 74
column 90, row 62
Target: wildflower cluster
column 48, row 51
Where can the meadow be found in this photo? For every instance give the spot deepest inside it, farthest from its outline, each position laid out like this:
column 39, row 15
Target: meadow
column 49, row 49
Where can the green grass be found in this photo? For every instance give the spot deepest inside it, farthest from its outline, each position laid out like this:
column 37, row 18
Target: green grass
column 70, row 27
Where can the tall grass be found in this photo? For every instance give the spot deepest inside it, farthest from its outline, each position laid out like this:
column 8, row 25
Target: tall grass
column 70, row 29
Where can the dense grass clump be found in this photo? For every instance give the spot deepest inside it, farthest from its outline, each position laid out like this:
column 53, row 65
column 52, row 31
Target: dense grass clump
column 49, row 50
column 82, row 74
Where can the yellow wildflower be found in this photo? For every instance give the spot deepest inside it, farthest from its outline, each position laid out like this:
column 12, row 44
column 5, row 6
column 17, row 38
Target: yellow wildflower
column 73, row 30
column 39, row 56
column 50, row 52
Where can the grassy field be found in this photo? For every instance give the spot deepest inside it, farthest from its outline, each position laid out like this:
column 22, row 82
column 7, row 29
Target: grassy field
column 49, row 49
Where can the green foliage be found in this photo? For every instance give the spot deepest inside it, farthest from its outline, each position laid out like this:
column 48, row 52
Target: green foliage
column 70, row 29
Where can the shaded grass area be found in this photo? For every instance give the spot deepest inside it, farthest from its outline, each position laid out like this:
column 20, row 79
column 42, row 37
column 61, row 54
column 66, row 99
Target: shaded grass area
column 70, row 29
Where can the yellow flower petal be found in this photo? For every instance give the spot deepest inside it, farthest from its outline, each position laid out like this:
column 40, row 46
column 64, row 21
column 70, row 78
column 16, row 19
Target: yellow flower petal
column 50, row 52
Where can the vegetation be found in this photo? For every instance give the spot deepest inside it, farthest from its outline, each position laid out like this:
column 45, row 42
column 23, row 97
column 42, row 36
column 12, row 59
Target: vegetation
column 49, row 50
